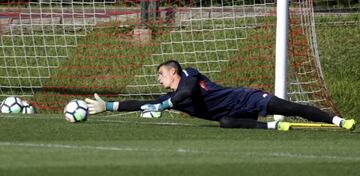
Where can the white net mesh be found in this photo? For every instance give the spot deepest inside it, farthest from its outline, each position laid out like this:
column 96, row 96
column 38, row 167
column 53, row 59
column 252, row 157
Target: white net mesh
column 52, row 49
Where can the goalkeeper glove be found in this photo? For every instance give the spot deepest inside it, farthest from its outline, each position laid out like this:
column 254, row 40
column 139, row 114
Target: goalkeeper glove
column 158, row 106
column 99, row 105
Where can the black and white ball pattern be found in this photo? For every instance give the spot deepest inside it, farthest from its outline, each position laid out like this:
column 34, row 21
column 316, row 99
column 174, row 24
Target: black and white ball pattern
column 76, row 111
column 11, row 105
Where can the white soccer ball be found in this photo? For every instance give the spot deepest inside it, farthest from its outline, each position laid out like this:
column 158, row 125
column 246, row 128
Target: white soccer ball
column 150, row 114
column 76, row 111
column 27, row 108
column 11, row 105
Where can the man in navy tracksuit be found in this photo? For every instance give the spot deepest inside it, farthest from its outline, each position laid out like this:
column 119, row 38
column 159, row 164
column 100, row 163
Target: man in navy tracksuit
column 195, row 94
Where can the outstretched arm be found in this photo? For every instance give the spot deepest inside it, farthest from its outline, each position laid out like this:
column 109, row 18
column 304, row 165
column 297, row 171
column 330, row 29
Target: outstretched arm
column 99, row 105
column 188, row 90
column 132, row 105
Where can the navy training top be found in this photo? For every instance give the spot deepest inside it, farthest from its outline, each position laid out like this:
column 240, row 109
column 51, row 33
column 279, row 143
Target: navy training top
column 212, row 102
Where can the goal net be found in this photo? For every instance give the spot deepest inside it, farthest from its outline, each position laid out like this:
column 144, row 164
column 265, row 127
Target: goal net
column 53, row 51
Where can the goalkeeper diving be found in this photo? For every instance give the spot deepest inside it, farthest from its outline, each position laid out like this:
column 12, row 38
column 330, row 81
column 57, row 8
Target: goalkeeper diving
column 195, row 94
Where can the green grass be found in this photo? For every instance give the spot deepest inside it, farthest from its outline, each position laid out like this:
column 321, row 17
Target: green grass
column 114, row 145
column 107, row 58
column 127, row 145
column 109, row 144
column 112, row 59
column 339, row 53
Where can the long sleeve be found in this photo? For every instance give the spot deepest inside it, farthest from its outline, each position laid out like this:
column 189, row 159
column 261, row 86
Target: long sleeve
column 188, row 90
column 133, row 105
column 184, row 92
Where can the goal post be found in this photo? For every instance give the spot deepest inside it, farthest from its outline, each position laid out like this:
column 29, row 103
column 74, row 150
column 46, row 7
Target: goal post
column 282, row 26
column 54, row 51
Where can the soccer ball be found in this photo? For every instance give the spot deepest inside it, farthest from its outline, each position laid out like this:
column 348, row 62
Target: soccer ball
column 150, row 114
column 11, row 105
column 76, row 111
column 27, row 108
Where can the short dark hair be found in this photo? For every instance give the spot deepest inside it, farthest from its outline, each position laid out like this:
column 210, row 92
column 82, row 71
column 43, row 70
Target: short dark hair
column 173, row 64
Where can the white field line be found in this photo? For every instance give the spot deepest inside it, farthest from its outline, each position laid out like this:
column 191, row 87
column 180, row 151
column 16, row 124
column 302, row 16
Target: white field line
column 90, row 147
column 145, row 123
column 326, row 157
column 181, row 150
column 121, row 114
column 120, row 120
column 57, row 117
column 28, row 117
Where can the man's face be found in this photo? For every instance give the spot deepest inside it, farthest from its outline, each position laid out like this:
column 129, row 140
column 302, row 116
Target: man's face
column 166, row 76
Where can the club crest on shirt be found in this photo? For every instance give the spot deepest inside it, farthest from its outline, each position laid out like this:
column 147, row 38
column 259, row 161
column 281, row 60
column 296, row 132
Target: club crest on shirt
column 203, row 85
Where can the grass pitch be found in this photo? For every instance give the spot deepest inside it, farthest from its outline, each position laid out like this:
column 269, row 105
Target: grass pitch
column 128, row 145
